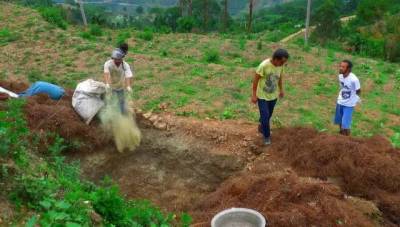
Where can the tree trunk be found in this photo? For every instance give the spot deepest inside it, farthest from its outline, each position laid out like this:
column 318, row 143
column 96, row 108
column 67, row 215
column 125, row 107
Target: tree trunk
column 190, row 8
column 205, row 15
column 181, row 6
column 225, row 15
column 307, row 31
column 249, row 24
column 82, row 12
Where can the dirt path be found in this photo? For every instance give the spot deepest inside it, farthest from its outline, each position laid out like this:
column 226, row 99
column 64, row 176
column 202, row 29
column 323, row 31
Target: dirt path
column 305, row 178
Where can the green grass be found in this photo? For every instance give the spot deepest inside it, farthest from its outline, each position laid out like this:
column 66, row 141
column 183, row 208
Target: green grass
column 7, row 36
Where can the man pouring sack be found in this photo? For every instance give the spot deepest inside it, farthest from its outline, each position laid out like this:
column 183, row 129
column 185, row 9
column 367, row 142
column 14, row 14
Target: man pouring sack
column 118, row 77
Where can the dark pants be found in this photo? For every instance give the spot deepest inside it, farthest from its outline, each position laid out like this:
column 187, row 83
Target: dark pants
column 266, row 109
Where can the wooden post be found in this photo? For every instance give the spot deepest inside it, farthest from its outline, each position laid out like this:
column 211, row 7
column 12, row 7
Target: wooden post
column 80, row 2
column 306, row 33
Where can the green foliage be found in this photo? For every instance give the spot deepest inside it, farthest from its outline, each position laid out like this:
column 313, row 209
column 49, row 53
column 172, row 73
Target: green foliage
column 122, row 37
column 211, row 56
column 13, row 132
column 327, row 27
column 186, row 24
column 369, row 11
column 145, row 35
column 6, row 36
column 95, row 30
column 54, row 15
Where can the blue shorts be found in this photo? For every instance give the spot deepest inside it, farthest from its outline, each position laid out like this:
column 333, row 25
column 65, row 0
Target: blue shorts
column 343, row 116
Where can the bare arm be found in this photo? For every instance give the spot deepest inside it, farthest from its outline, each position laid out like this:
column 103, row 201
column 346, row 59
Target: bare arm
column 255, row 85
column 128, row 82
column 280, row 84
column 107, row 78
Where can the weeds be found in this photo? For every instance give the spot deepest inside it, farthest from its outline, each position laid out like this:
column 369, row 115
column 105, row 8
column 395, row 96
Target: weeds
column 211, row 56
column 145, row 35
column 6, row 36
column 54, row 16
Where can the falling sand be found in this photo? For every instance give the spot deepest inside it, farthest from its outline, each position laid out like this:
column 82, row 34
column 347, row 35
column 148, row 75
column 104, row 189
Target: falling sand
column 122, row 127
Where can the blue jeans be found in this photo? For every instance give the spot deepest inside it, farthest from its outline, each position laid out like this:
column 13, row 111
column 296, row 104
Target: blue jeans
column 121, row 100
column 343, row 116
column 266, row 109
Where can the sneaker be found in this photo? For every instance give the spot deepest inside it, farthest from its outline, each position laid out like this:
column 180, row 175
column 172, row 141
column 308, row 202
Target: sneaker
column 267, row 141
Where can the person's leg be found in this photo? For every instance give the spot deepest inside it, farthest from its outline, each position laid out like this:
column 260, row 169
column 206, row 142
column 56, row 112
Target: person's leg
column 264, row 117
column 347, row 119
column 271, row 107
column 338, row 117
column 122, row 104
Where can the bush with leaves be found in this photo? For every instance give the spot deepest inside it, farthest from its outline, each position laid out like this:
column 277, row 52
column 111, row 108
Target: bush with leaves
column 54, row 15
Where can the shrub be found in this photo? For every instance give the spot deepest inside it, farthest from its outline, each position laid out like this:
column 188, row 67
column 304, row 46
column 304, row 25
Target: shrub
column 95, row 30
column 87, row 36
column 122, row 37
column 7, row 36
column 145, row 35
column 54, row 15
column 185, row 24
column 211, row 56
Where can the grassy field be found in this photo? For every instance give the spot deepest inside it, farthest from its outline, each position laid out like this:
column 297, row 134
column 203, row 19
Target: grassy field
column 204, row 76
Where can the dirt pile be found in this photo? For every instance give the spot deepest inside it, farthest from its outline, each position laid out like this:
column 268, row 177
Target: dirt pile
column 368, row 168
column 285, row 199
column 45, row 115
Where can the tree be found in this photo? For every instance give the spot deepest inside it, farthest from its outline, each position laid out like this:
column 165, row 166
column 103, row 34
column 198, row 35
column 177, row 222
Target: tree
column 250, row 19
column 181, row 7
column 225, row 2
column 139, row 10
column 328, row 27
column 190, row 8
column 205, row 14
column 369, row 11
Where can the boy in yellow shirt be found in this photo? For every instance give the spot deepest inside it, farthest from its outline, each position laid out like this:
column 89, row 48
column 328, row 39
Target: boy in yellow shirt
column 267, row 80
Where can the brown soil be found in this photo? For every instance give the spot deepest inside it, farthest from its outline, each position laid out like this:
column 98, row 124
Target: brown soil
column 202, row 167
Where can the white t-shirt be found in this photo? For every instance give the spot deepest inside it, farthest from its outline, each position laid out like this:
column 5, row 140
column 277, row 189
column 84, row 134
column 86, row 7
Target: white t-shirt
column 118, row 73
column 348, row 90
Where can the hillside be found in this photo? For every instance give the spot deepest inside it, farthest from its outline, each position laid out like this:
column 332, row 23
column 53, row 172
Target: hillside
column 213, row 74
column 200, row 151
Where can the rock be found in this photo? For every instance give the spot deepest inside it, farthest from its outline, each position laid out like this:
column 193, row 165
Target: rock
column 147, row 115
column 160, row 125
column 154, row 118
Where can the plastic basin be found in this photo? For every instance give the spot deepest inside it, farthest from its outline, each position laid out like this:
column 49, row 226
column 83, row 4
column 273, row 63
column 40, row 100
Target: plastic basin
column 238, row 217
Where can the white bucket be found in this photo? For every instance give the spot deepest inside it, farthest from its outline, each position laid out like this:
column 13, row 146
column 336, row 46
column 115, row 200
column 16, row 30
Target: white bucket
column 238, row 217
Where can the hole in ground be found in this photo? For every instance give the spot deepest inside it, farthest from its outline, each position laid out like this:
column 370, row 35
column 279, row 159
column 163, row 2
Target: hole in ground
column 173, row 171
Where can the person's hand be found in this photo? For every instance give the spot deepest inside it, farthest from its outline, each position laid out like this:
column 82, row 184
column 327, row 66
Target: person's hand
column 254, row 99
column 281, row 94
column 129, row 90
column 108, row 89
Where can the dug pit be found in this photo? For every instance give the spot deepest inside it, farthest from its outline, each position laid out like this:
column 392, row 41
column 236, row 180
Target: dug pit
column 172, row 170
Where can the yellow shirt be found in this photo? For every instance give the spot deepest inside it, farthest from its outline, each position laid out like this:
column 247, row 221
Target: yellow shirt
column 267, row 87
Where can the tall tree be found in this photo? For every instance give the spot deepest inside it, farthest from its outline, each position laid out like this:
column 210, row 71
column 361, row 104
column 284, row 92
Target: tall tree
column 205, row 14
column 250, row 19
column 306, row 32
column 328, row 27
column 225, row 14
column 190, row 8
column 182, row 7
